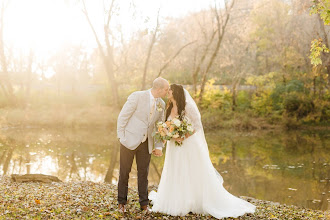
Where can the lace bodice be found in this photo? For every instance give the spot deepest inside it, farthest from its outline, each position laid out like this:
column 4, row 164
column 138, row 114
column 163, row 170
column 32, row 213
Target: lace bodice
column 194, row 117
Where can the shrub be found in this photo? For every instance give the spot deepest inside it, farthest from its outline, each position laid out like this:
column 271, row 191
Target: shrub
column 290, row 122
column 294, row 86
column 281, row 90
column 216, row 98
column 262, row 103
column 320, row 114
column 298, row 106
column 277, row 97
column 243, row 100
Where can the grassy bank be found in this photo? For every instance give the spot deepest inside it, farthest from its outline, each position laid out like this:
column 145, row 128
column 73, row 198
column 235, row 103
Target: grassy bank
column 248, row 120
column 102, row 116
column 59, row 116
column 89, row 200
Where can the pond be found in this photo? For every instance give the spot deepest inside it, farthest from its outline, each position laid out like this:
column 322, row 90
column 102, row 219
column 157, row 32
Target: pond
column 286, row 167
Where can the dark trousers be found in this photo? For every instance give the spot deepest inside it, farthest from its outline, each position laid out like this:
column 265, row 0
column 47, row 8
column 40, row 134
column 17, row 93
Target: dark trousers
column 142, row 162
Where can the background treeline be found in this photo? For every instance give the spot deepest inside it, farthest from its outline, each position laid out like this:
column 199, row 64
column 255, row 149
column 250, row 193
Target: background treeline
column 247, row 63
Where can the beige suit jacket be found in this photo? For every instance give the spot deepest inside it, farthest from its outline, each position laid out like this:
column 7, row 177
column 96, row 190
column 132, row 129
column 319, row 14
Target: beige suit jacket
column 133, row 120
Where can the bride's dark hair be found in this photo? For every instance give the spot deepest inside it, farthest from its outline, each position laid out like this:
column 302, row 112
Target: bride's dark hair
column 178, row 95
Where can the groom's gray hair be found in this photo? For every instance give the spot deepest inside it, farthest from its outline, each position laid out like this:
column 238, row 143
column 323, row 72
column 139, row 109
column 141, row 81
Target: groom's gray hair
column 159, row 83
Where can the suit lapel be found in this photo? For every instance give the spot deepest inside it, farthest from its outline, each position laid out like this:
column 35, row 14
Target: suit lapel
column 155, row 110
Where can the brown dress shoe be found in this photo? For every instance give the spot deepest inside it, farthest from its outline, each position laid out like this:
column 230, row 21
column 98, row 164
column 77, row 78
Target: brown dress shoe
column 145, row 208
column 121, row 208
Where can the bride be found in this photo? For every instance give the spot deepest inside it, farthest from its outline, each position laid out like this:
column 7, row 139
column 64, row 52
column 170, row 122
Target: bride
column 189, row 182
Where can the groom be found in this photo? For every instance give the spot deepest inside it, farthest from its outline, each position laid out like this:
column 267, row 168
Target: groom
column 135, row 125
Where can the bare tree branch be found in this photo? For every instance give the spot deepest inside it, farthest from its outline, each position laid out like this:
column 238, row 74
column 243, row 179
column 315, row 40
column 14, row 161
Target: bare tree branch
column 108, row 59
column 221, row 32
column 153, row 40
column 93, row 29
column 200, row 63
column 5, row 83
column 110, row 13
column 173, row 57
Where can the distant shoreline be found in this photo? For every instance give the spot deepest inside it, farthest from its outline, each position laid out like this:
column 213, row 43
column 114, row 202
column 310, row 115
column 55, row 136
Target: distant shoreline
column 106, row 117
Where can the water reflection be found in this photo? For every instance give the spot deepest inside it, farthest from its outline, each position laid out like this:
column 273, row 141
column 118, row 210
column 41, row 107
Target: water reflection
column 288, row 167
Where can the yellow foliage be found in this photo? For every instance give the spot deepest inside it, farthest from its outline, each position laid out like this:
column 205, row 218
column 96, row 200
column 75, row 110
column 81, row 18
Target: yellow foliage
column 262, row 103
column 266, row 80
column 214, row 97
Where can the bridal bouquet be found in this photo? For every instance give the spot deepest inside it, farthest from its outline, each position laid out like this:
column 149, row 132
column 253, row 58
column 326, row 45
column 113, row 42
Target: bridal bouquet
column 174, row 128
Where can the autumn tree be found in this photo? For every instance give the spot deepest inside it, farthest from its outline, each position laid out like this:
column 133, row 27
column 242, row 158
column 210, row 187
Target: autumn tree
column 106, row 49
column 5, row 80
column 222, row 17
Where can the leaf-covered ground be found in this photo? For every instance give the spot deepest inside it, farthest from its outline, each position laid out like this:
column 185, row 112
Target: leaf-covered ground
column 89, row 200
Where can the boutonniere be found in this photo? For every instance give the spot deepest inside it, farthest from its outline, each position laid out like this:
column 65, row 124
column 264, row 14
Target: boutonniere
column 159, row 107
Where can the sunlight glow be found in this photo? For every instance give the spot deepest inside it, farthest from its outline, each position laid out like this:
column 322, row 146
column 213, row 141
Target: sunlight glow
column 47, row 166
column 43, row 26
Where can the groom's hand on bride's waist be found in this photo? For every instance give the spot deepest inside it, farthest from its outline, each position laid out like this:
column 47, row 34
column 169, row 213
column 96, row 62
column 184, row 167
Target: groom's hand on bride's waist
column 157, row 152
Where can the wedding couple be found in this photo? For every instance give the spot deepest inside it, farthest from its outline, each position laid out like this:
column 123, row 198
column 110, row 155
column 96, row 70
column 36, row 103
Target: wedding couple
column 189, row 182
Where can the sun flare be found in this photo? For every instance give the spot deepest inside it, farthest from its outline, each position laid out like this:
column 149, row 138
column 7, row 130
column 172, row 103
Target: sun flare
column 41, row 25
column 44, row 25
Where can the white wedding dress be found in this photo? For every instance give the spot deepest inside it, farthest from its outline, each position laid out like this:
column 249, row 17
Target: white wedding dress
column 190, row 183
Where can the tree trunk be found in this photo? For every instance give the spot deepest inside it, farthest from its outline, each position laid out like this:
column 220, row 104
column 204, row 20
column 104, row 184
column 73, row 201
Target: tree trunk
column 3, row 87
column 27, row 162
column 152, row 43
column 5, row 80
column 199, row 66
column 314, row 86
column 214, row 55
column 107, row 59
column 112, row 165
column 2, row 157
column 29, row 77
column 109, row 63
column 326, row 56
column 7, row 161
column 74, row 167
column 220, row 31
column 234, row 94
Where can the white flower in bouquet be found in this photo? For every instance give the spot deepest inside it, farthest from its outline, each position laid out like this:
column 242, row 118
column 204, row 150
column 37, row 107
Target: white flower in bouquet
column 176, row 136
column 176, row 122
column 190, row 128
